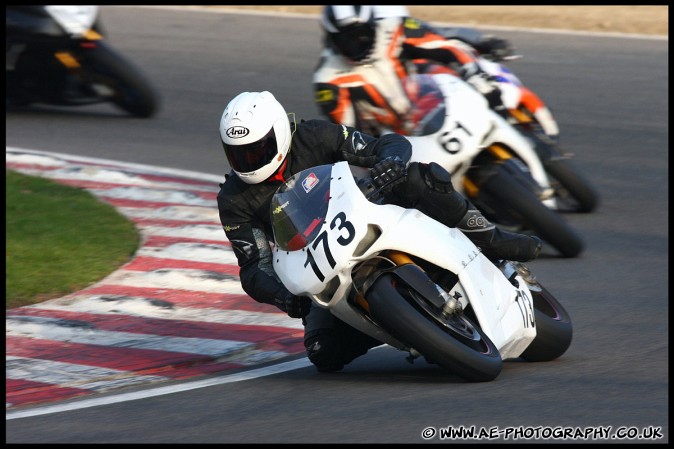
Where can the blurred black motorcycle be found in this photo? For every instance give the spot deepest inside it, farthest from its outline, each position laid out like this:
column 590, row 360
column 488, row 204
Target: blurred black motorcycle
column 57, row 55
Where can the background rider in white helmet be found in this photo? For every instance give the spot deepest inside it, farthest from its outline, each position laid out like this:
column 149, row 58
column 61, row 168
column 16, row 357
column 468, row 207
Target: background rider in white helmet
column 369, row 50
column 264, row 147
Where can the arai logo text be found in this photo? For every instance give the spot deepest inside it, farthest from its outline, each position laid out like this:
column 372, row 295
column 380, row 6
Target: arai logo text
column 236, row 132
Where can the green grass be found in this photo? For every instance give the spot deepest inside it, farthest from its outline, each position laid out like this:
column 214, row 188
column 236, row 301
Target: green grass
column 59, row 239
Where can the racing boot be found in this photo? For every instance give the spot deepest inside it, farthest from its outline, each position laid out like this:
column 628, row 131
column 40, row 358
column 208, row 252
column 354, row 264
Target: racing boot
column 497, row 243
column 428, row 187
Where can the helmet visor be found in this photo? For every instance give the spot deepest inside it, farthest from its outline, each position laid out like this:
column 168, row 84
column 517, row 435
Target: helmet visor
column 355, row 41
column 252, row 156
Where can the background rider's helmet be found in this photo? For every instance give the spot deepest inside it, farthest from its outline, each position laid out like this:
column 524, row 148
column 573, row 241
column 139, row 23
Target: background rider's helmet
column 255, row 134
column 352, row 31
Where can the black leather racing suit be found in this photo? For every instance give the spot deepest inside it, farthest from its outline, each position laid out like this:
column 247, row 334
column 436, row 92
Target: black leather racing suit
column 244, row 213
column 244, row 208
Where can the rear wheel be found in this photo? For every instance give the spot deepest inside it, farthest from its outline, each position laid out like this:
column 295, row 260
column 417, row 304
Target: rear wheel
column 453, row 342
column 572, row 188
column 509, row 196
column 131, row 91
column 554, row 330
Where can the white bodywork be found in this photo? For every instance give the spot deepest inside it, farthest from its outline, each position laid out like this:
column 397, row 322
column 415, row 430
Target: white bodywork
column 470, row 127
column 504, row 312
column 75, row 19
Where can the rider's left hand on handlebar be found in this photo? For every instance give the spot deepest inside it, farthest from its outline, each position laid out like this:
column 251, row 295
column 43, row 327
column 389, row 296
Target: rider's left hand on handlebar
column 495, row 48
column 496, row 101
column 388, row 172
column 487, row 86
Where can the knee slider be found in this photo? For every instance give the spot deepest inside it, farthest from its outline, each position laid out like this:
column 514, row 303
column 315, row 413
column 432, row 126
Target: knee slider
column 322, row 348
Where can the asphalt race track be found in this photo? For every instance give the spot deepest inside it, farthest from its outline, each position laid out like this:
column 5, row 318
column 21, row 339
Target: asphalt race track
column 610, row 97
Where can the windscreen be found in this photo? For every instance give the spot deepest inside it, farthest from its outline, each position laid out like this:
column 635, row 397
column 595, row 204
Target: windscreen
column 299, row 207
column 427, row 114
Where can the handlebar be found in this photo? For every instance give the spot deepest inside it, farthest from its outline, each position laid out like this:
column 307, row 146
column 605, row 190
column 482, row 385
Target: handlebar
column 372, row 193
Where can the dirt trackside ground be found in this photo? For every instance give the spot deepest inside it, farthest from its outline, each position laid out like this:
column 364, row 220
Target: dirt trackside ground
column 648, row 19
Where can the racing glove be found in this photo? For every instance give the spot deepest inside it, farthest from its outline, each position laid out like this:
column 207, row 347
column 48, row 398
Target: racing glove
column 486, row 85
column 294, row 306
column 388, row 172
column 495, row 48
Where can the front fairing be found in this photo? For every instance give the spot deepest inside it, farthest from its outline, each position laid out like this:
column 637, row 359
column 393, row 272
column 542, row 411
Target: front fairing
column 76, row 20
column 452, row 134
column 314, row 235
column 324, row 227
column 317, row 245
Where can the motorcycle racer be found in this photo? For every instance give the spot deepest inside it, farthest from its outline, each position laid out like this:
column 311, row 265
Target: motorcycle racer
column 369, row 50
column 264, row 147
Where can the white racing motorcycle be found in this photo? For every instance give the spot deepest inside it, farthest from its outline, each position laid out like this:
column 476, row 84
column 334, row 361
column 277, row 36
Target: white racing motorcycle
column 491, row 162
column 407, row 280
column 58, row 55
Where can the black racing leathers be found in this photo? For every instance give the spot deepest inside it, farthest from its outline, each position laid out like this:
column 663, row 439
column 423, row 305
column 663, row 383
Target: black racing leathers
column 244, row 208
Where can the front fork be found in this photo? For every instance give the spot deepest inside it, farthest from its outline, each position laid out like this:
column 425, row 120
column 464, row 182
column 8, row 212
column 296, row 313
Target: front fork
column 413, row 275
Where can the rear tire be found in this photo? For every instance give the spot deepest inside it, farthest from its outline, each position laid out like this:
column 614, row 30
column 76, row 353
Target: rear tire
column 133, row 93
column 572, row 187
column 554, row 330
column 456, row 344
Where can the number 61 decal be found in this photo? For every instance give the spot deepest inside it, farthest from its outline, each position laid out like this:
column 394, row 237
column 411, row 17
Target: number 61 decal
column 341, row 223
column 452, row 144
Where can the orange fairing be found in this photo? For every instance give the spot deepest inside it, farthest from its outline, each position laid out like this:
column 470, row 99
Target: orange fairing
column 530, row 100
column 460, row 55
column 344, row 99
column 343, row 103
column 397, row 65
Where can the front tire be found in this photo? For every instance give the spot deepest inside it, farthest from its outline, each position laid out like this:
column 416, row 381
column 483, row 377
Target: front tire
column 455, row 343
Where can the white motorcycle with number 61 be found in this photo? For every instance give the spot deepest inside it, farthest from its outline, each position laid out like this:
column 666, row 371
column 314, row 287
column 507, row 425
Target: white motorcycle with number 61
column 491, row 162
column 406, row 279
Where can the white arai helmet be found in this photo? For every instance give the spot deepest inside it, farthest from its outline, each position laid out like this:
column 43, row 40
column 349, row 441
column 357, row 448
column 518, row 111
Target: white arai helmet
column 255, row 134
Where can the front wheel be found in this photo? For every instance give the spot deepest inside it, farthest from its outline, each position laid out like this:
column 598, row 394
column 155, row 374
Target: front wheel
column 453, row 342
column 131, row 91
column 554, row 330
